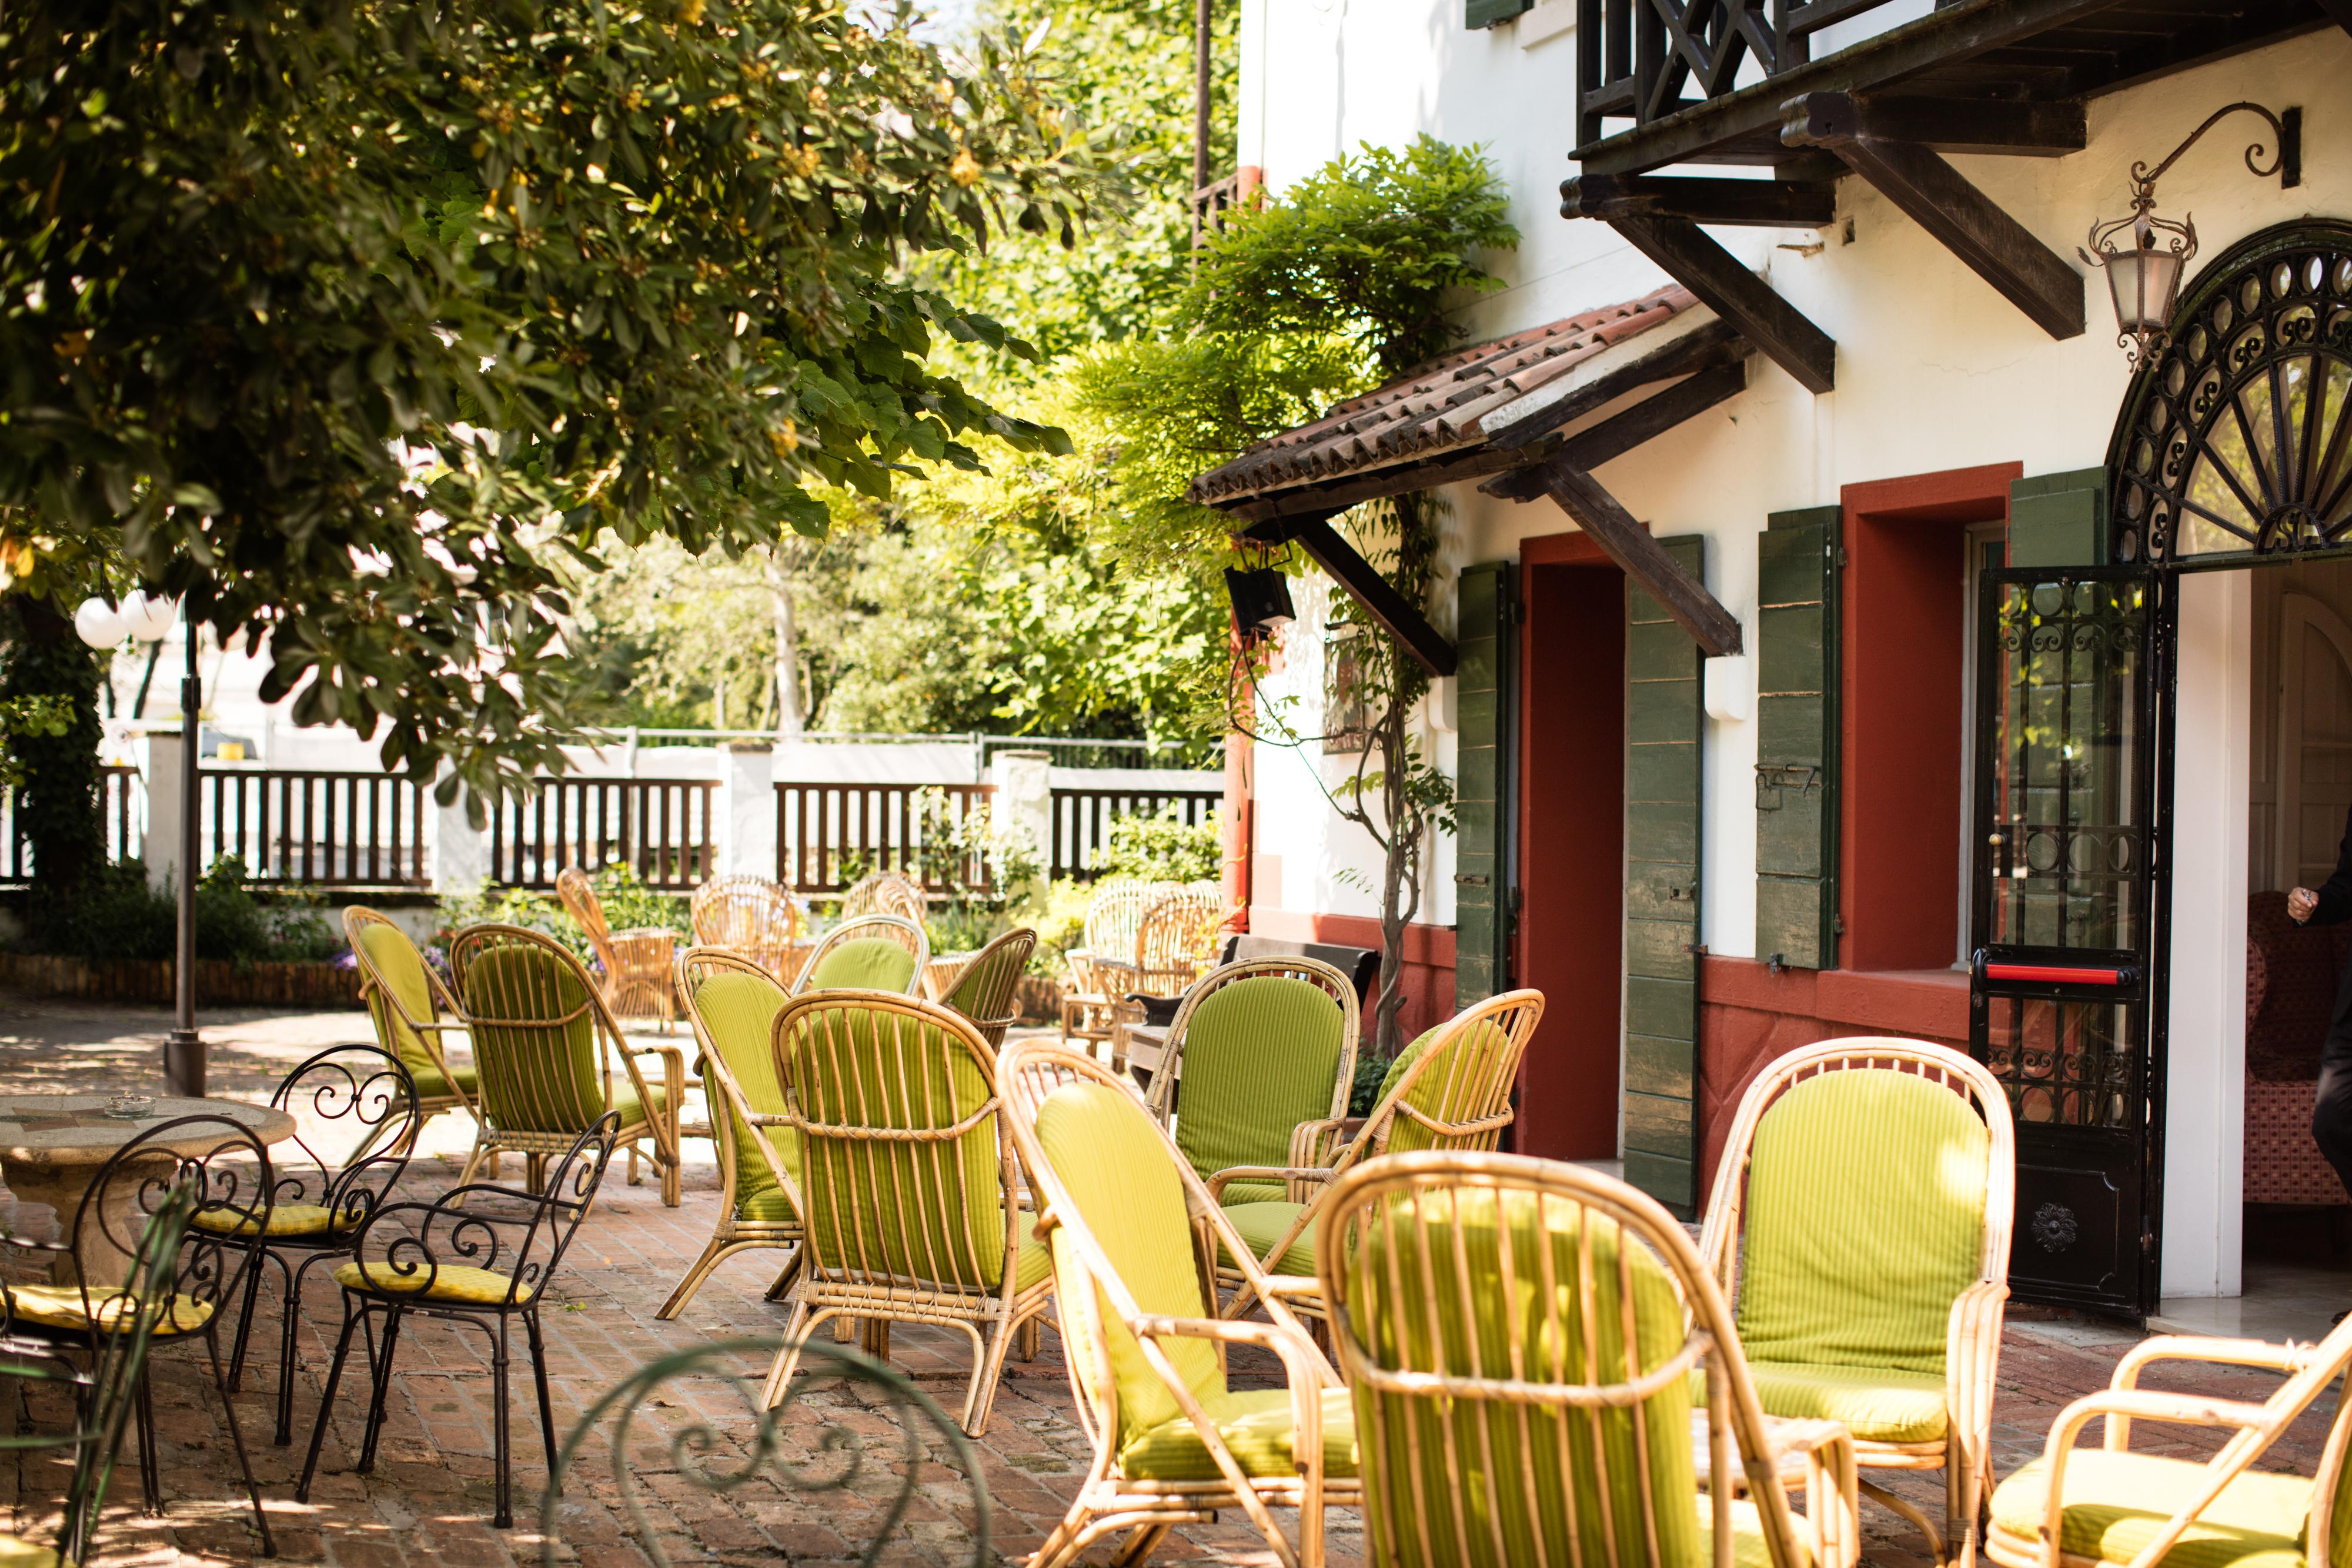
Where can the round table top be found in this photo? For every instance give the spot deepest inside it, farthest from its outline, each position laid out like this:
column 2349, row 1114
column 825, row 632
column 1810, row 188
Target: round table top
column 75, row 1130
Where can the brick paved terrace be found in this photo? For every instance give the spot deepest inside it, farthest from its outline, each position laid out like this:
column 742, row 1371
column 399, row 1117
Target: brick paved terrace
column 428, row 1504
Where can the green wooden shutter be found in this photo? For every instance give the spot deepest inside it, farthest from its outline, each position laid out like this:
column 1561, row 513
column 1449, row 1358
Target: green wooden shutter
column 1662, row 860
column 1796, row 676
column 2059, row 520
column 1492, row 13
column 1486, row 640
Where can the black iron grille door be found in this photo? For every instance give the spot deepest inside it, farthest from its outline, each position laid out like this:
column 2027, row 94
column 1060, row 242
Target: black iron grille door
column 2061, row 1004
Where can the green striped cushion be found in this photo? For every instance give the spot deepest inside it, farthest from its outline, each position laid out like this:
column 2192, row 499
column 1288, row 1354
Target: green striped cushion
column 537, row 1077
column 1479, row 1481
column 983, row 992
column 1257, row 1427
column 1261, row 1225
column 1108, row 1156
column 1865, row 1220
column 1436, row 1092
column 401, row 969
column 866, row 963
column 898, row 1209
column 2115, row 1503
column 1259, row 1056
column 739, row 1014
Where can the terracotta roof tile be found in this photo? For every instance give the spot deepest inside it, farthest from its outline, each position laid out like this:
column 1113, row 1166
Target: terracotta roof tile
column 1435, row 407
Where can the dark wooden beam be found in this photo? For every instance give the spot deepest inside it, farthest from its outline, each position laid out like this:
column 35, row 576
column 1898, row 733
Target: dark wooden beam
column 1512, row 445
column 1623, row 431
column 1939, row 199
column 1388, row 608
column 1736, row 295
column 1941, row 124
column 2338, row 10
column 1950, row 33
column 1629, row 543
column 1762, row 203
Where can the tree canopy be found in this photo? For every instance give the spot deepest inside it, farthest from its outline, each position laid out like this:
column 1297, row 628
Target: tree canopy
column 350, row 322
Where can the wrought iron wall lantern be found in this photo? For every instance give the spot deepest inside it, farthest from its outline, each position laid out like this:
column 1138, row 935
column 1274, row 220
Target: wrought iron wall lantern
column 2145, row 275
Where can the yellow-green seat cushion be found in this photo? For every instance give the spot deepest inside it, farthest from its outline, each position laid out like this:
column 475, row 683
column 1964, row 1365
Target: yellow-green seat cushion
column 16, row 1551
column 738, row 1013
column 1876, row 1406
column 432, row 1084
column 626, row 1101
column 1256, row 1425
column 60, row 1307
column 866, row 963
column 284, row 1220
column 1748, row 1547
column 1865, row 1221
column 1261, row 1225
column 450, row 1282
column 401, row 967
column 1259, row 1058
column 769, row 1206
column 2115, row 1504
column 535, row 1044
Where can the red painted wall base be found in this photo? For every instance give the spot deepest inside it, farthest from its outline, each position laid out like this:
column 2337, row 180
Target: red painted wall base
column 1428, row 957
column 1748, row 1016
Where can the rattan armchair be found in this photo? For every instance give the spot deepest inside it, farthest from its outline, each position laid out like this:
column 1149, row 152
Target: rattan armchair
column 912, row 1192
column 884, row 893
column 1267, row 1045
column 1449, row 1090
column 1174, row 1441
column 546, row 1046
column 1863, row 1211
column 733, row 1002
column 983, row 990
column 1090, row 991
column 1176, row 940
column 636, row 963
column 756, row 916
column 1521, row 1338
column 412, row 1010
column 2084, row 1507
column 868, row 953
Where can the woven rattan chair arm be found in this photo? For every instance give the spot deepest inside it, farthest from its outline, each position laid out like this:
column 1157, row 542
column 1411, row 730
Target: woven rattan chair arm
column 2178, row 1409
column 1294, row 1285
column 667, row 1050
column 2224, row 1352
column 1313, row 1144
column 1217, row 1183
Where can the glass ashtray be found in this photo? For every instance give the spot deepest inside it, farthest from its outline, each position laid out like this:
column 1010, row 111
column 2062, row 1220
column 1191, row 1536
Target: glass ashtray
column 132, row 1107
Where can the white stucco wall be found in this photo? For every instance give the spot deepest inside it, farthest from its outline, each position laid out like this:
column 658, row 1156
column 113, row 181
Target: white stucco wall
column 1935, row 372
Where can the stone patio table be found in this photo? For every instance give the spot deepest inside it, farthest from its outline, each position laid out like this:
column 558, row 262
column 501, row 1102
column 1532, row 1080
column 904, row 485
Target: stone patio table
column 51, row 1146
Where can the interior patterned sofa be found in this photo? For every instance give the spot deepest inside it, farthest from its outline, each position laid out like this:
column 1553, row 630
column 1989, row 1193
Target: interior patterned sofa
column 2291, row 975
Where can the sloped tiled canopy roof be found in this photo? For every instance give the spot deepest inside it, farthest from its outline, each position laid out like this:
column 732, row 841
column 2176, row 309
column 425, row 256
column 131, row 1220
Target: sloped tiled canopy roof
column 1499, row 400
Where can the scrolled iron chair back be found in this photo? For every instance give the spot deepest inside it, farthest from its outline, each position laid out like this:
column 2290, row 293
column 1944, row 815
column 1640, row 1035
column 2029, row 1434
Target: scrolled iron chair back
column 754, row 915
column 521, row 1234
column 362, row 1092
column 205, row 1158
column 106, row 1394
column 720, row 1457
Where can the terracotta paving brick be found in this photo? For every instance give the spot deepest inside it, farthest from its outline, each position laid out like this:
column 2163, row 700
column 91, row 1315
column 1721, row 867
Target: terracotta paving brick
column 428, row 1503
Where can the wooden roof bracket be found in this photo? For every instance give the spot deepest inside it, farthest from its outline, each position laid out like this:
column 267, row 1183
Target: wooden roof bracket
column 1778, row 327
column 1389, row 608
column 1908, row 173
column 1714, row 628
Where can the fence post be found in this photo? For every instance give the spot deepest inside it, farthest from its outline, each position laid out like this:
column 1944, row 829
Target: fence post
column 747, row 808
column 1021, row 813
column 461, row 851
column 162, row 853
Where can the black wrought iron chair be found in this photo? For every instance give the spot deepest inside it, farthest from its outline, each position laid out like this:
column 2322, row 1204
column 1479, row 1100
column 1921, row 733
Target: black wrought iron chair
column 483, row 1264
column 207, row 1158
column 366, row 1094
column 905, row 1435
column 104, row 1393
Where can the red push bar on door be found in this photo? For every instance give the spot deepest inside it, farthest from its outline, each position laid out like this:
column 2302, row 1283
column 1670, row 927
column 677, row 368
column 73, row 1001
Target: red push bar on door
column 2049, row 974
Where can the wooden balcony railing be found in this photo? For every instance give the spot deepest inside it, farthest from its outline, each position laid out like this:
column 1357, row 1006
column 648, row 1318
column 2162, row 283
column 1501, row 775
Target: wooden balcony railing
column 830, row 834
column 664, row 829
column 1637, row 60
column 329, row 828
column 1082, row 820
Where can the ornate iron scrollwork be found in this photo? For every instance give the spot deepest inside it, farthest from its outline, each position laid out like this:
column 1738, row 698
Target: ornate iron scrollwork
column 2237, row 438
column 792, row 1446
column 2055, row 1227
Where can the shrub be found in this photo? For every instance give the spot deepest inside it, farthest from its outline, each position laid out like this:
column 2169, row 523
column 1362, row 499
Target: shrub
column 117, row 914
column 1061, row 924
column 1160, row 848
column 627, row 902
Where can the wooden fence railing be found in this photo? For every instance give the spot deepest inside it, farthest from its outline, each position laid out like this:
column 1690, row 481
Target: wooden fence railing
column 1082, row 820
column 830, row 834
column 665, row 829
column 331, row 828
column 123, row 806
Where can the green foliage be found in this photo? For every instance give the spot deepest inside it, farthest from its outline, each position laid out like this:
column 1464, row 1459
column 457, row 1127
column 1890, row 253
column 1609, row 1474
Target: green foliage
column 1060, row 919
column 1160, row 848
column 1365, row 1092
column 1372, row 247
column 50, row 677
column 628, row 905
column 322, row 314
column 115, row 913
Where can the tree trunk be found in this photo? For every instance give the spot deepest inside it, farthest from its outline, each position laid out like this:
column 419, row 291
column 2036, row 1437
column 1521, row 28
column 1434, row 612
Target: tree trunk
column 789, row 721
column 63, row 816
column 1396, row 910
